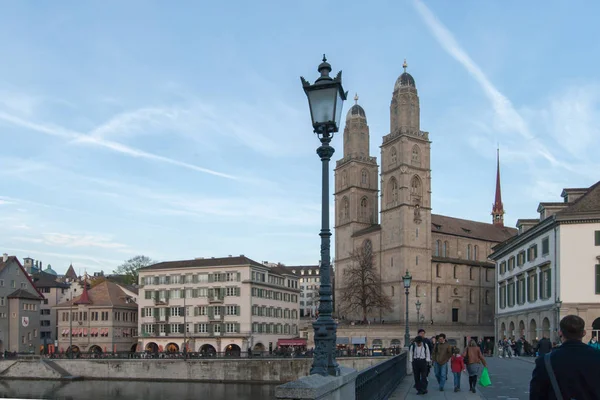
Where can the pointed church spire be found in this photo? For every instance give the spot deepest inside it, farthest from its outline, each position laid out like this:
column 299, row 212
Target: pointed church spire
column 84, row 298
column 498, row 207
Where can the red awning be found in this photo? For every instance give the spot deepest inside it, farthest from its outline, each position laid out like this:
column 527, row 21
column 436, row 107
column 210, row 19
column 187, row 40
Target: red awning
column 94, row 331
column 291, row 342
column 84, row 331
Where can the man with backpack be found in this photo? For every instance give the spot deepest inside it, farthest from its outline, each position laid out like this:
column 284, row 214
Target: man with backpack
column 420, row 357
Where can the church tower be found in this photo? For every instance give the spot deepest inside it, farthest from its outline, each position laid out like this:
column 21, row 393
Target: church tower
column 405, row 197
column 498, row 207
column 355, row 184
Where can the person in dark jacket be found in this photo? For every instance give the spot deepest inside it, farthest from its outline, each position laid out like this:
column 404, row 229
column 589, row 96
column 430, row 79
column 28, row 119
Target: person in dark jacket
column 574, row 363
column 544, row 346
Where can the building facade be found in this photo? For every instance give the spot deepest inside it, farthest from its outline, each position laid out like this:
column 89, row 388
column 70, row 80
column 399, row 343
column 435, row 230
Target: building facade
column 216, row 305
column 551, row 268
column 103, row 318
column 55, row 292
column 390, row 217
column 309, row 281
column 20, row 305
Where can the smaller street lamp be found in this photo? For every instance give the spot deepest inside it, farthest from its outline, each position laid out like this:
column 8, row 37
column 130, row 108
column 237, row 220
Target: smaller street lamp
column 407, row 279
column 418, row 306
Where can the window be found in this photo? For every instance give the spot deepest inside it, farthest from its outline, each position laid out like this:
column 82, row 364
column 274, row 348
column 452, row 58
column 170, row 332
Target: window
column 487, row 275
column 597, row 238
column 521, row 258
column 511, row 294
column 511, row 263
column 468, row 252
column 471, row 296
column 455, row 315
column 475, row 251
column 502, row 267
column 217, row 328
column 345, row 209
column 416, row 155
column 521, row 289
column 437, row 248
column 487, row 297
column 546, row 246
column 546, row 284
column 415, row 186
column 532, row 253
column 364, row 178
column 393, row 190
column 364, row 208
column 393, row 156
column 445, row 249
column 455, row 273
column 231, row 310
column 417, row 260
column 532, row 283
column 502, row 295
column 471, row 274
column 438, row 271
column 231, row 328
column 597, row 278
column 438, row 297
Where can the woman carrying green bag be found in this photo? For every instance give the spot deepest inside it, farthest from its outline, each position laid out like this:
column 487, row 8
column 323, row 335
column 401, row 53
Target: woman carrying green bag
column 474, row 360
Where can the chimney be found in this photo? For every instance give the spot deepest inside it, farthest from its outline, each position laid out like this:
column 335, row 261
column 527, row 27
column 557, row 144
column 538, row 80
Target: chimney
column 5, row 257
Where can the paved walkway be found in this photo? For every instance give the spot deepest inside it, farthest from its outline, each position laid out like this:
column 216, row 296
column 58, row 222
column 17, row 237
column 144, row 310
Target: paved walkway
column 405, row 389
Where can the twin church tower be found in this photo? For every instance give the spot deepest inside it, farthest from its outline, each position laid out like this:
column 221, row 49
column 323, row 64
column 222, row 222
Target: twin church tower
column 392, row 218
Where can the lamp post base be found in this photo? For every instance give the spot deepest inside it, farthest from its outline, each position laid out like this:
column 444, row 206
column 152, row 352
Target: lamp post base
column 324, row 362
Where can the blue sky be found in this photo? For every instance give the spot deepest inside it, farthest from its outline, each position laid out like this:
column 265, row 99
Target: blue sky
column 180, row 131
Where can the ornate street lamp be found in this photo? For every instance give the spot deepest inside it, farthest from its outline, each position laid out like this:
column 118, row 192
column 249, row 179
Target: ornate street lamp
column 407, row 280
column 418, row 305
column 325, row 99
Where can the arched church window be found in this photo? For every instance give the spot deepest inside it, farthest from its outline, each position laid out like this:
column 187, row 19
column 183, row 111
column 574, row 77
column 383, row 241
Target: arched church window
column 438, row 271
column 445, row 249
column 471, row 296
column 438, row 294
column 345, row 208
column 393, row 190
column 364, row 206
column 416, row 155
column 475, row 251
column 468, row 252
column 456, row 272
column 415, row 186
column 418, row 291
column 364, row 178
column 393, row 156
column 437, row 248
column 368, row 247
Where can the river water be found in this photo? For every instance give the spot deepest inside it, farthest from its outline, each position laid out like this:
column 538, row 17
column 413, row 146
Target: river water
column 133, row 390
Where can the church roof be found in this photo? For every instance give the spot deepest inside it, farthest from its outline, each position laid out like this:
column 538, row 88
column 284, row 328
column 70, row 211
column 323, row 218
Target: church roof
column 356, row 111
column 470, row 229
column 405, row 80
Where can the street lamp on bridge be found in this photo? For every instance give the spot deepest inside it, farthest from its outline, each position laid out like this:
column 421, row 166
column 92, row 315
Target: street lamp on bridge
column 407, row 279
column 325, row 99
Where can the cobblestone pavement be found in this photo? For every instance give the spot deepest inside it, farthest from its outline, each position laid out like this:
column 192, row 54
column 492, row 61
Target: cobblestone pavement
column 510, row 378
column 510, row 381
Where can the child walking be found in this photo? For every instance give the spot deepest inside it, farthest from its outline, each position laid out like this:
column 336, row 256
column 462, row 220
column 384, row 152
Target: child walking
column 457, row 364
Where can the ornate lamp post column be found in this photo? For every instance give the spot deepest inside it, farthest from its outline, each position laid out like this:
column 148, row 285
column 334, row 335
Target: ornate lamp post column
column 418, row 305
column 407, row 280
column 325, row 99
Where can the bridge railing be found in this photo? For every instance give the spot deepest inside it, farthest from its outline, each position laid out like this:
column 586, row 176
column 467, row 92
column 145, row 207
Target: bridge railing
column 380, row 380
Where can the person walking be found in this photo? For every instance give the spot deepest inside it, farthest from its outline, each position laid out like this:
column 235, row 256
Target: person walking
column 569, row 372
column 474, row 360
column 419, row 356
column 457, row 365
column 429, row 344
column 544, row 347
column 594, row 343
column 442, row 352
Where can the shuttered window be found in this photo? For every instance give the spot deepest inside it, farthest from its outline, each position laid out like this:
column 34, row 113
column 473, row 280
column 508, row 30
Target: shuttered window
column 598, row 279
column 597, row 238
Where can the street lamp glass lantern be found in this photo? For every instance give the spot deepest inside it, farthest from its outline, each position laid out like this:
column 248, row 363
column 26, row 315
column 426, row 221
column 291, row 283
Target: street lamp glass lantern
column 407, row 280
column 418, row 305
column 325, row 99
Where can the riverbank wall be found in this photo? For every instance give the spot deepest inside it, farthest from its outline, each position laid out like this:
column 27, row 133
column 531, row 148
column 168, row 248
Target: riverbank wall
column 268, row 370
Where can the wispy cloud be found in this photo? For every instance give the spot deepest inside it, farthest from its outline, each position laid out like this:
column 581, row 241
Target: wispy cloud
column 73, row 136
column 507, row 117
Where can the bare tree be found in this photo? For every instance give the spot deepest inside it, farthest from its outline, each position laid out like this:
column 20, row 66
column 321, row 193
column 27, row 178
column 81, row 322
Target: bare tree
column 130, row 268
column 361, row 289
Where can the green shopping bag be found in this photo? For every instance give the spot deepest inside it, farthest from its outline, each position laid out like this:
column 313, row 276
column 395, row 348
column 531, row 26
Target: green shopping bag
column 485, row 380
